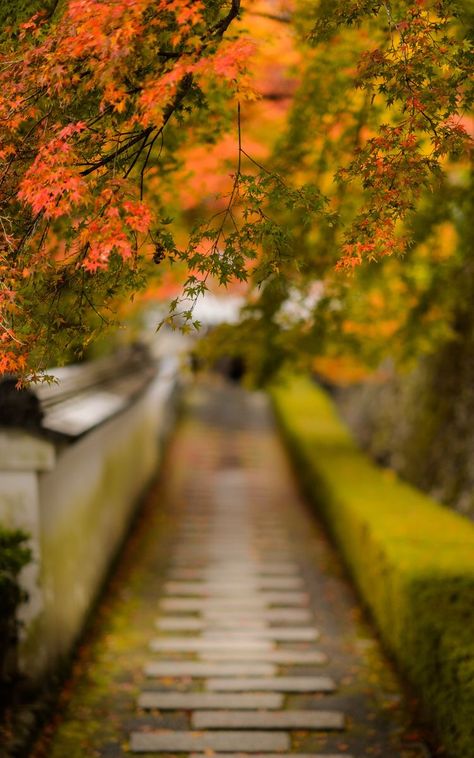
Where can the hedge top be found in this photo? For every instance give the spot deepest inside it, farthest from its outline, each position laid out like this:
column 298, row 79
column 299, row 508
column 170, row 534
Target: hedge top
column 420, row 532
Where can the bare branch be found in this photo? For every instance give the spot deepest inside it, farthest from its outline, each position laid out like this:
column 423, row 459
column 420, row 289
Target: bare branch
column 221, row 27
column 112, row 156
column 282, row 19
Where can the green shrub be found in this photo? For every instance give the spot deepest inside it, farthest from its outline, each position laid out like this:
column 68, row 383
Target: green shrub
column 412, row 559
column 14, row 555
column 15, row 12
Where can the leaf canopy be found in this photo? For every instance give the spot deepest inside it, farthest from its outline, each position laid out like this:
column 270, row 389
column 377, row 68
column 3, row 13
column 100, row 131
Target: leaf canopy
column 362, row 196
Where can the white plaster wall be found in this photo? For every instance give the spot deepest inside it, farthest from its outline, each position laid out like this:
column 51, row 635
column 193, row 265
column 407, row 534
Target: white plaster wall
column 85, row 505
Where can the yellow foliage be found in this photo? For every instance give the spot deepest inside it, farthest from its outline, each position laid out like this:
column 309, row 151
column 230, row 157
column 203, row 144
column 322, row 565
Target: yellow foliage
column 373, row 329
column 342, row 370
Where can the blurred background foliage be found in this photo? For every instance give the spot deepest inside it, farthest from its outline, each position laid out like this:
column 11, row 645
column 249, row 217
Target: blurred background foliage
column 393, row 338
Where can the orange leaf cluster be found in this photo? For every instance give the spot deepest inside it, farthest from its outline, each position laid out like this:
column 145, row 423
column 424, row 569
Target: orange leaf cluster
column 112, row 229
column 52, row 185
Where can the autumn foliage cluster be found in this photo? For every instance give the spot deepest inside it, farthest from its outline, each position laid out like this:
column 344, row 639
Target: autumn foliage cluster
column 100, row 101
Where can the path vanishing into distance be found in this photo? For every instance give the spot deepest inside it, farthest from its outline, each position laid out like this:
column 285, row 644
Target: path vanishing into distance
column 229, row 626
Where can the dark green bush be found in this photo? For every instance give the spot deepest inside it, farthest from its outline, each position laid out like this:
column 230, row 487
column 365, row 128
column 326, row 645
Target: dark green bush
column 16, row 12
column 14, row 555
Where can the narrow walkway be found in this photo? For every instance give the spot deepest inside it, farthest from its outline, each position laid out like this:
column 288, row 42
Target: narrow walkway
column 230, row 628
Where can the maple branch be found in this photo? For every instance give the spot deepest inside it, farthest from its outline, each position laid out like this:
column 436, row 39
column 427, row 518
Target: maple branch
column 147, row 157
column 239, row 161
column 221, row 27
column 166, row 54
column 262, row 168
column 282, row 19
column 277, row 96
column 137, row 155
column 112, row 156
column 218, row 29
column 183, row 89
column 95, row 119
column 226, row 213
column 98, row 313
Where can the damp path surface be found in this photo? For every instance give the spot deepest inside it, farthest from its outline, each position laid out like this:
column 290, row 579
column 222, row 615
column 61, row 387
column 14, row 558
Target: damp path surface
column 268, row 616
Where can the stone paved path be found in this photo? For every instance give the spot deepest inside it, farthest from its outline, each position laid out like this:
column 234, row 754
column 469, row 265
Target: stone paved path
column 230, row 629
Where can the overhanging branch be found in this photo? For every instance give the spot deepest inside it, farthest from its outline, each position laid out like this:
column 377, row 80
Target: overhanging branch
column 221, row 27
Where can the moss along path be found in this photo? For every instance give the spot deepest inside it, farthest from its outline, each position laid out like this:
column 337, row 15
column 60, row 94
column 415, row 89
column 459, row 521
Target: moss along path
column 228, row 626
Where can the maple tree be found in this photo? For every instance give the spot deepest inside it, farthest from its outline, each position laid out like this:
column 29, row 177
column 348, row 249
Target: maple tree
column 101, row 100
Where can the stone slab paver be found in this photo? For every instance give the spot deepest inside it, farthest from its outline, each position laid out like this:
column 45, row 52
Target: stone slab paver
column 205, row 669
column 275, row 755
column 193, row 604
column 290, row 719
column 223, row 586
column 260, row 600
column 249, row 581
column 205, row 700
column 233, row 576
column 191, row 624
column 234, row 568
column 272, row 615
column 206, row 589
column 301, row 634
column 275, row 684
column 251, row 547
column 286, row 657
column 209, row 557
column 269, row 597
column 196, row 644
column 184, row 742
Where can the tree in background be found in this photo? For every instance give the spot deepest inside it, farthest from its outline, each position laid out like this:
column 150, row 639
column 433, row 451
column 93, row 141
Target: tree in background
column 380, row 123
column 100, row 100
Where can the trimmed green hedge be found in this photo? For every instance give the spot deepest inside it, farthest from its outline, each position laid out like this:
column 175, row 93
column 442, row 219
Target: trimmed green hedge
column 412, row 559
